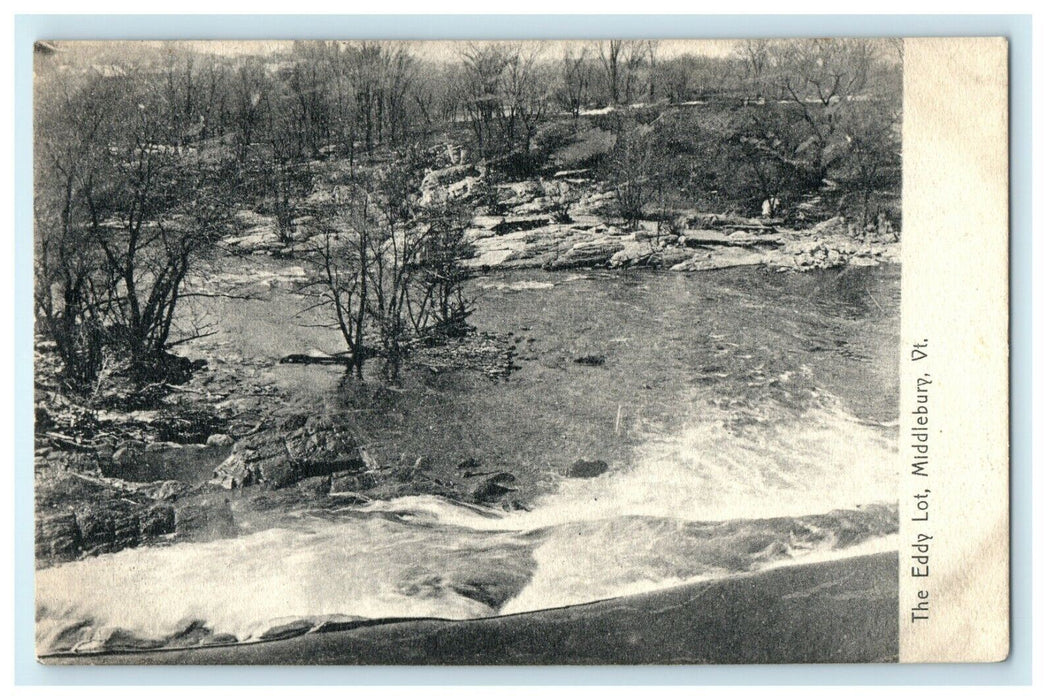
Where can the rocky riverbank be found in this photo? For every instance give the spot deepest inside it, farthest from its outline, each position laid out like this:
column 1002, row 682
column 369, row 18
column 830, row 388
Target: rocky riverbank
column 104, row 497
column 222, row 453
column 567, row 221
column 565, row 226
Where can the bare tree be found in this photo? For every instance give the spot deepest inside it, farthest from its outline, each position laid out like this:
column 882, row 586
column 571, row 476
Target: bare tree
column 249, row 88
column 523, row 91
column 871, row 161
column 340, row 258
column 634, row 170
column 71, row 136
column 138, row 208
column 622, row 61
column 575, row 81
column 387, row 268
column 820, row 77
column 396, row 242
column 483, row 67
column 675, row 78
column 283, row 166
column 756, row 58
column 440, row 307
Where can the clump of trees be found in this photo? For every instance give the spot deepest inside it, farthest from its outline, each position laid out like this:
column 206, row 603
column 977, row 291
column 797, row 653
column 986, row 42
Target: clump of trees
column 803, row 119
column 635, row 171
column 142, row 158
column 124, row 209
column 386, row 265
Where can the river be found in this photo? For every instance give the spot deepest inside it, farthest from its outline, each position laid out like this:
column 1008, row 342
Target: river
column 748, row 418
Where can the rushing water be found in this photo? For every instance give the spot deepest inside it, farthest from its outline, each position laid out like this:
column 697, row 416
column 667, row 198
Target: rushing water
column 748, row 418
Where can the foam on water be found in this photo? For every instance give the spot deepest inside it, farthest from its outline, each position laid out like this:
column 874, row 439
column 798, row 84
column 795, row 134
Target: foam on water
column 709, row 501
column 372, row 567
column 825, row 460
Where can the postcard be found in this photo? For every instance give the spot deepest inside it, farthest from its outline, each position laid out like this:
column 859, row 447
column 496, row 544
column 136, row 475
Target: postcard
column 521, row 352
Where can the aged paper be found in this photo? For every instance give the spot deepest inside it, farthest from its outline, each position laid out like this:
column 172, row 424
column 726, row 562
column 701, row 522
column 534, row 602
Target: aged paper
column 583, row 352
column 954, row 434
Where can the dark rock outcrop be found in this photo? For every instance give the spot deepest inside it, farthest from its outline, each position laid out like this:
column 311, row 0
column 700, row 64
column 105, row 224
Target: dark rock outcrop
column 158, row 519
column 82, row 515
column 493, row 488
column 296, row 448
column 57, row 536
column 593, row 252
column 205, row 519
column 586, row 469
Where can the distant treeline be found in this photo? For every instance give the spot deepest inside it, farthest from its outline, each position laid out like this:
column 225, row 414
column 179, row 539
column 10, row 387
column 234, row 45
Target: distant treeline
column 362, row 95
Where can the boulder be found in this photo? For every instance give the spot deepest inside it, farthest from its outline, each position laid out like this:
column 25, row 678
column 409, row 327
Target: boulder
column 205, row 519
column 493, row 488
column 446, row 176
column 90, row 515
column 219, row 440
column 324, row 446
column 489, row 258
column 817, row 256
column 589, row 253
column 734, row 238
column 296, row 448
column 352, row 482
column 586, row 469
column 108, row 526
column 57, row 536
column 163, row 490
column 670, row 256
column 234, row 473
column 127, row 461
column 634, row 253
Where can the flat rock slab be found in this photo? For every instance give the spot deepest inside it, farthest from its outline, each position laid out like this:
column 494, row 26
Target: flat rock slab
column 702, row 238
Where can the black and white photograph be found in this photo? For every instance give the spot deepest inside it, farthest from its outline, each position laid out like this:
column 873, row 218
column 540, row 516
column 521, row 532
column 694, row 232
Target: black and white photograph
column 467, row 352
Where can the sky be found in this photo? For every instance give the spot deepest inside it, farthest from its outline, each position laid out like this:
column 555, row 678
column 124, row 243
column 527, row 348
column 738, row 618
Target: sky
column 427, row 50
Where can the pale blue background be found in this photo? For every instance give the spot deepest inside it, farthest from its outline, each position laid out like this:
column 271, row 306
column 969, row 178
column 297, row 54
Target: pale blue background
column 28, row 28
